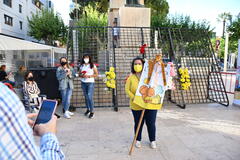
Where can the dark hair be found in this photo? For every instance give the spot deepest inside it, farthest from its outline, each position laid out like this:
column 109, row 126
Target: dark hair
column 26, row 75
column 90, row 60
column 132, row 66
column 2, row 67
column 62, row 58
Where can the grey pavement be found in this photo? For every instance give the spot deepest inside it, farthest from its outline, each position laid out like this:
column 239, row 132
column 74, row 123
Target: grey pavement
column 200, row 132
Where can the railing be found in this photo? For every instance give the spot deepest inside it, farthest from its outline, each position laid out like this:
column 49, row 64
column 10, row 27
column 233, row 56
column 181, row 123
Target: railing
column 229, row 80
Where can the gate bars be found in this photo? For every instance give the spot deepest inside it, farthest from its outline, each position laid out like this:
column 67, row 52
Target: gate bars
column 186, row 48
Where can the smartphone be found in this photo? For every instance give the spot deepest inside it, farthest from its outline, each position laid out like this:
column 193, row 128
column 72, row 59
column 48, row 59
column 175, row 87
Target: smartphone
column 46, row 111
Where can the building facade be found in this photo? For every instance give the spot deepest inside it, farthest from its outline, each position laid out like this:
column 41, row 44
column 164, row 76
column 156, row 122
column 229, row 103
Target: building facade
column 14, row 16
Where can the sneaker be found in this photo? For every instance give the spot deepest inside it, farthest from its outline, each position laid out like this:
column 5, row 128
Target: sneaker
column 66, row 115
column 153, row 144
column 87, row 112
column 35, row 110
column 138, row 144
column 91, row 115
column 70, row 113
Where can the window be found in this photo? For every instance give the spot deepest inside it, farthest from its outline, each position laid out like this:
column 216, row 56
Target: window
column 20, row 24
column 50, row 4
column 20, row 8
column 8, row 20
column 8, row 2
column 37, row 3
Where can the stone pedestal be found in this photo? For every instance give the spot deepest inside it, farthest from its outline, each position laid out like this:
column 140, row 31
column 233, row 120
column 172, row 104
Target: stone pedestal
column 128, row 16
column 134, row 17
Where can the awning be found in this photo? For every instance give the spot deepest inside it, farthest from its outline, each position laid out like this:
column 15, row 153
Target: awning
column 9, row 43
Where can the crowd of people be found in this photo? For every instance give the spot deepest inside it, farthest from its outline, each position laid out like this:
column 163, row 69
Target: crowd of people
column 16, row 125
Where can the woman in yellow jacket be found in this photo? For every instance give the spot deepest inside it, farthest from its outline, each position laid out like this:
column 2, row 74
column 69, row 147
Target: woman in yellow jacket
column 150, row 115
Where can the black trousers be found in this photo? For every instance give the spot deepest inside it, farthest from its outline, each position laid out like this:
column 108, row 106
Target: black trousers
column 150, row 120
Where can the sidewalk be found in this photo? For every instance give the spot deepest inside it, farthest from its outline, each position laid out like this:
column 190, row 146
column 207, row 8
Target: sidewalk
column 200, row 132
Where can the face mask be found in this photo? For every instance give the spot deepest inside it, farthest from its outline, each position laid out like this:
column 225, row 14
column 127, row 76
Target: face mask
column 86, row 60
column 137, row 68
column 63, row 63
column 30, row 78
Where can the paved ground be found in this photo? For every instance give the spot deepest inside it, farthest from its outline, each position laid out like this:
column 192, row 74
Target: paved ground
column 200, row 132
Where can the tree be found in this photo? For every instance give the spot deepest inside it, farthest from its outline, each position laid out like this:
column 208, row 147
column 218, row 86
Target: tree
column 159, row 7
column 48, row 26
column 234, row 28
column 224, row 17
column 93, row 18
column 100, row 5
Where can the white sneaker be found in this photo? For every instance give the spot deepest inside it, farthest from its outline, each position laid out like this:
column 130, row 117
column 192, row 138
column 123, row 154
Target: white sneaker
column 66, row 115
column 70, row 113
column 138, row 144
column 35, row 110
column 153, row 144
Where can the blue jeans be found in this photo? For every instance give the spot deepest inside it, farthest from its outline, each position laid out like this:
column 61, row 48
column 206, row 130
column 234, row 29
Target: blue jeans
column 150, row 120
column 88, row 91
column 66, row 98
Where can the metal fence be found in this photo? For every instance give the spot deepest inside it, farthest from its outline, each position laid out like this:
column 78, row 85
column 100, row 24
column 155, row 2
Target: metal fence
column 118, row 47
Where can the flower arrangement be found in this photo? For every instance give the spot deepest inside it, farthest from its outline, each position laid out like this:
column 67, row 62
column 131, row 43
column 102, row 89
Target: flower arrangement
column 142, row 48
column 83, row 72
column 184, row 78
column 110, row 78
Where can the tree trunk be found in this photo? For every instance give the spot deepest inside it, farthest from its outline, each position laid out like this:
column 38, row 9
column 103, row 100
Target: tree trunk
column 224, row 23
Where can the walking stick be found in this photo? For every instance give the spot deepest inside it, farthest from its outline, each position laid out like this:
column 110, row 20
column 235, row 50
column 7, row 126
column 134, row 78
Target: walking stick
column 136, row 134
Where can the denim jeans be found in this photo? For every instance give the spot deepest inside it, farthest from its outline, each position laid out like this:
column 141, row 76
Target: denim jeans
column 66, row 98
column 88, row 91
column 150, row 120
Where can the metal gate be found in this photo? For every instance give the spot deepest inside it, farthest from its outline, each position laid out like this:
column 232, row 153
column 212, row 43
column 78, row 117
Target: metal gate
column 186, row 48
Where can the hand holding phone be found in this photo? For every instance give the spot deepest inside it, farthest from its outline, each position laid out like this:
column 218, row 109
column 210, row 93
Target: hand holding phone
column 46, row 120
column 46, row 111
column 49, row 127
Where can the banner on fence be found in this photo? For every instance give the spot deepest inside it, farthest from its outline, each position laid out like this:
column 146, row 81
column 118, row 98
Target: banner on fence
column 236, row 100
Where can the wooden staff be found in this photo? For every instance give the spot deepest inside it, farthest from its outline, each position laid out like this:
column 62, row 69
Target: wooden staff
column 137, row 131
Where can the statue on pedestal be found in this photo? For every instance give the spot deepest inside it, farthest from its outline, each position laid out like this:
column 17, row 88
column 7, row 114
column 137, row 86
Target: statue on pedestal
column 133, row 3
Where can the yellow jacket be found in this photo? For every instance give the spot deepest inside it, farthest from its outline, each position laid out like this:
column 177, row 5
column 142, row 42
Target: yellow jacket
column 131, row 88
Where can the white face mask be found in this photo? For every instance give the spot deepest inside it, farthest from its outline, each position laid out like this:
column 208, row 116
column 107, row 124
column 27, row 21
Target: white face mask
column 86, row 60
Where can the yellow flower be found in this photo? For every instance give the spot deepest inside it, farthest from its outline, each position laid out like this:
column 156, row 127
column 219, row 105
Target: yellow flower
column 108, row 84
column 112, row 81
column 111, row 69
column 112, row 75
column 182, row 80
column 187, row 80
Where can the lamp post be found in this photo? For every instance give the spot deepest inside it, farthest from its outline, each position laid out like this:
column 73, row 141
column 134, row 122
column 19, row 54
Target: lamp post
column 226, row 51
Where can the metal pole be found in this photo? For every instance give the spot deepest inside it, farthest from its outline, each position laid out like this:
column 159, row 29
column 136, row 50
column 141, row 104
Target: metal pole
column 115, row 96
column 76, row 10
column 226, row 52
column 142, row 36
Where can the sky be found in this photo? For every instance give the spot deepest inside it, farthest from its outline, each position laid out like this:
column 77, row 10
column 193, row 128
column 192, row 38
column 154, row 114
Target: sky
column 197, row 9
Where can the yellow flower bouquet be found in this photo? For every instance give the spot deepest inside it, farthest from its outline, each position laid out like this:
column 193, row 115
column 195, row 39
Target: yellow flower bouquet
column 184, row 78
column 110, row 78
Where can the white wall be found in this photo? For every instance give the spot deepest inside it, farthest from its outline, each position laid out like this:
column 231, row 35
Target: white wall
column 28, row 8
